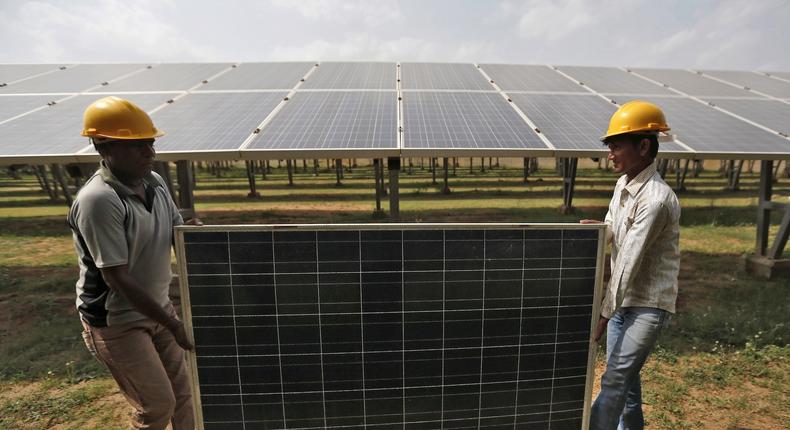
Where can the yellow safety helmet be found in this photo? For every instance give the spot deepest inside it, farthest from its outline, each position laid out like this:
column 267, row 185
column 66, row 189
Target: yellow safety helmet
column 116, row 118
column 636, row 116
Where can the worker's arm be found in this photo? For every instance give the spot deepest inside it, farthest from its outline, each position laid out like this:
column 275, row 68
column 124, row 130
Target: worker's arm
column 117, row 277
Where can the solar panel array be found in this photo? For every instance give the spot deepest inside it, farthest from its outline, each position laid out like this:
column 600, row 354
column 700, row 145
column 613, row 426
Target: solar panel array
column 383, row 109
column 365, row 326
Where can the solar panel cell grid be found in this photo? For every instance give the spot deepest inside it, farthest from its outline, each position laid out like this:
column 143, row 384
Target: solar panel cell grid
column 166, row 77
column 692, row 83
column 436, row 76
column 354, row 328
column 708, row 130
column 11, row 106
column 213, row 121
column 529, row 78
column 260, row 76
column 333, row 119
column 13, row 72
column 56, row 129
column 770, row 113
column 73, row 79
column 613, row 80
column 753, row 80
column 464, row 120
column 346, row 76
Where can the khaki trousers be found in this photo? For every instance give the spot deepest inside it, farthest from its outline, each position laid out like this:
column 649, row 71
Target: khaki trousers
column 149, row 367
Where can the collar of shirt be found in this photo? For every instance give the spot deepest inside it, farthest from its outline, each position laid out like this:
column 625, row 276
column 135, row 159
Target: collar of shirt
column 119, row 186
column 639, row 180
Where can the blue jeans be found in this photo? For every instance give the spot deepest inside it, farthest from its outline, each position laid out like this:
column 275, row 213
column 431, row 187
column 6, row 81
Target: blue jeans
column 631, row 335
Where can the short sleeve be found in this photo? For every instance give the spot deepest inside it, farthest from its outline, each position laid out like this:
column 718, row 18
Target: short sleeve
column 98, row 218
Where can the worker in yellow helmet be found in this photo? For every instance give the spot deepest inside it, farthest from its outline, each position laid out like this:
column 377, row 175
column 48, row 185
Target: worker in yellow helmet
column 643, row 225
column 122, row 223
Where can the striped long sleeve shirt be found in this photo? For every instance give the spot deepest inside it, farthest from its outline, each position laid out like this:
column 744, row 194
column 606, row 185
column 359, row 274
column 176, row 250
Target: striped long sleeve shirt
column 643, row 221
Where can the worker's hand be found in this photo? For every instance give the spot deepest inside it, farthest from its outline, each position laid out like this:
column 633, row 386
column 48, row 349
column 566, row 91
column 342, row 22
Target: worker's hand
column 590, row 221
column 180, row 334
column 600, row 328
column 193, row 221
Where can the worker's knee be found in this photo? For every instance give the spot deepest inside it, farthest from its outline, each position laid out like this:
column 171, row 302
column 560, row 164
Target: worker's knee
column 157, row 411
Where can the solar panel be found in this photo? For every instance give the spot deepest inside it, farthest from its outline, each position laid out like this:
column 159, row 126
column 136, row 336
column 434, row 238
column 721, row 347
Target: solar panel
column 11, row 106
column 378, row 326
column 613, row 80
column 213, row 121
column 708, row 130
column 755, row 81
column 260, row 76
column 445, row 76
column 13, row 72
column 166, row 77
column 344, row 76
column 461, row 120
column 71, row 80
column 333, row 120
column 692, row 83
column 770, row 113
column 56, row 129
column 529, row 78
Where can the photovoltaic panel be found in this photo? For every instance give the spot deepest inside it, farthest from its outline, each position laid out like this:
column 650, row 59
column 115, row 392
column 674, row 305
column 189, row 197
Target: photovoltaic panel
column 13, row 72
column 462, row 120
column 333, row 120
column 418, row 326
column 213, row 121
column 167, row 77
column 346, row 76
column 770, row 113
column 707, row 130
column 56, row 129
column 568, row 121
column 442, row 76
column 11, row 106
column 755, row 81
column 511, row 77
column 72, row 79
column 260, row 76
column 574, row 122
column 692, row 83
column 613, row 80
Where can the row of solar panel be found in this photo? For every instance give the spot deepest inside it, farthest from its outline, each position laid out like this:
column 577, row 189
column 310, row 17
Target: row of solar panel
column 48, row 78
column 222, row 113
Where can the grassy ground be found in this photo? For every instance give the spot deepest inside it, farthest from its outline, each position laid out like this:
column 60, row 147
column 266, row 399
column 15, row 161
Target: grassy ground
column 723, row 364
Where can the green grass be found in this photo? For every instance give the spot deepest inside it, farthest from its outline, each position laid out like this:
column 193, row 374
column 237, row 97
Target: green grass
column 726, row 347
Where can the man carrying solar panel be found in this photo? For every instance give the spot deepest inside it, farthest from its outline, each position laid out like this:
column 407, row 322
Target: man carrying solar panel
column 122, row 222
column 643, row 220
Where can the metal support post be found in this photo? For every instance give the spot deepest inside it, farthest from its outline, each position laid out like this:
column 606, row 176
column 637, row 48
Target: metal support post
column 379, row 181
column 446, row 189
column 680, row 176
column 393, row 165
column 253, row 194
column 568, row 184
column 57, row 173
column 338, row 171
column 186, row 199
column 290, row 167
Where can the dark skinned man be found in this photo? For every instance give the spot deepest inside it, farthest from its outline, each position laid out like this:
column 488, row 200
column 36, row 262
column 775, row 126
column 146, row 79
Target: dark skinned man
column 122, row 222
column 643, row 226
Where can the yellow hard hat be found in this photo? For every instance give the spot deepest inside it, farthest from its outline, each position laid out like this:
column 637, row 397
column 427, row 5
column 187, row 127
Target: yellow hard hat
column 116, row 118
column 635, row 116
